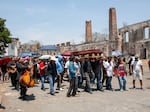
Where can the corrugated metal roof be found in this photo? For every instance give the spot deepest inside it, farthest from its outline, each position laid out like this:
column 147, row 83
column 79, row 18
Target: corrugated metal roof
column 24, row 54
column 48, row 47
column 33, row 54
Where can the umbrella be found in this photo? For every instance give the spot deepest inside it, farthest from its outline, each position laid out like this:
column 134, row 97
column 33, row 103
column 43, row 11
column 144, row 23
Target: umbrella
column 116, row 53
column 45, row 57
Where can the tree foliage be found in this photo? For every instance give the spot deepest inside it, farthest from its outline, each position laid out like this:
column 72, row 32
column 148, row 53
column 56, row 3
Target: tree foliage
column 4, row 36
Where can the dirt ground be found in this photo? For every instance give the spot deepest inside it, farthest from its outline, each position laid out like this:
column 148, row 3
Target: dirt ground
column 132, row 100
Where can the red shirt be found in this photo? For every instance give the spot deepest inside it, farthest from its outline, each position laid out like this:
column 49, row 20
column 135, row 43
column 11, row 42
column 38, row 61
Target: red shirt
column 121, row 70
column 42, row 71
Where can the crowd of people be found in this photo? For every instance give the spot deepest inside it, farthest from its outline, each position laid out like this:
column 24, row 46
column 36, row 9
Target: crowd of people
column 95, row 70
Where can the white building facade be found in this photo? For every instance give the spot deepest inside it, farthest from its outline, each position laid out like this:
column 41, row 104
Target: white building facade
column 12, row 49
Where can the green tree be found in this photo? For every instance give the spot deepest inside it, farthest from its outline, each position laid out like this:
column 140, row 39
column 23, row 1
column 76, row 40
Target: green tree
column 4, row 36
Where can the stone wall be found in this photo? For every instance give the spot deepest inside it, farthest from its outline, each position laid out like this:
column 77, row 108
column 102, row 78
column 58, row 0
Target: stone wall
column 137, row 43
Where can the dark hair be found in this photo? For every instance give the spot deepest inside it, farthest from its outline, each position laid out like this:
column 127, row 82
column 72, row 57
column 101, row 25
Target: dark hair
column 124, row 59
column 71, row 58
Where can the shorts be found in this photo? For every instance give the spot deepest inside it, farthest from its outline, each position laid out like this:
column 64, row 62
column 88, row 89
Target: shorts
column 137, row 75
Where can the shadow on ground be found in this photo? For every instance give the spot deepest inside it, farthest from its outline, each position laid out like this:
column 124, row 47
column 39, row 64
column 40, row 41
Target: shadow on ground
column 2, row 107
column 28, row 97
column 148, row 87
column 148, row 78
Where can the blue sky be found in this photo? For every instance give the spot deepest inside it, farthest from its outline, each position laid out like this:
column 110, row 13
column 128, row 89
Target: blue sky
column 57, row 21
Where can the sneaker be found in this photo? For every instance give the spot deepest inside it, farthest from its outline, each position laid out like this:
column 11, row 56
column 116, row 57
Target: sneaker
column 43, row 89
column 61, row 89
column 141, row 88
column 52, row 93
column 111, row 89
column 90, row 92
column 17, row 88
column 68, row 95
column 57, row 88
column 78, row 91
column 102, row 90
column 121, row 90
column 73, row 94
column 134, row 87
column 20, row 97
column 125, row 90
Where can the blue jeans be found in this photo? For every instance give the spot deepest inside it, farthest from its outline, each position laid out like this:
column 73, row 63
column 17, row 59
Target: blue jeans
column 42, row 80
column 51, row 83
column 78, row 81
column 122, row 82
column 108, row 83
column 99, row 82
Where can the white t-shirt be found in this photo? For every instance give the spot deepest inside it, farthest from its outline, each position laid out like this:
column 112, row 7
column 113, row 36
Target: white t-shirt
column 77, row 66
column 133, row 59
column 104, row 64
column 109, row 68
column 67, row 66
column 137, row 66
